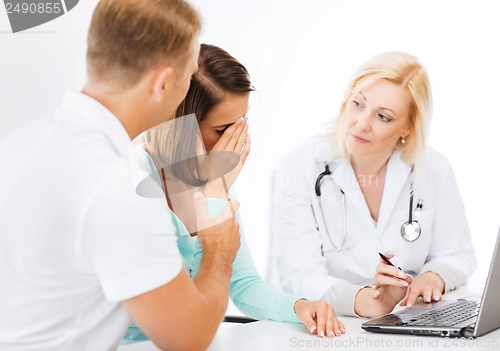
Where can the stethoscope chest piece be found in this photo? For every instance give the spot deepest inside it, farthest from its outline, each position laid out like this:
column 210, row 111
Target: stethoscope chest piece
column 410, row 231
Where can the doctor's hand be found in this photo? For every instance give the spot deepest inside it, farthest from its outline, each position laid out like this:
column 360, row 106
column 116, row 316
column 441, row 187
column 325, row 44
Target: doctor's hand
column 319, row 318
column 390, row 286
column 429, row 285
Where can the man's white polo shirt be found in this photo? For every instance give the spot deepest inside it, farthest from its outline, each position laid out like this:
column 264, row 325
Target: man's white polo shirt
column 75, row 239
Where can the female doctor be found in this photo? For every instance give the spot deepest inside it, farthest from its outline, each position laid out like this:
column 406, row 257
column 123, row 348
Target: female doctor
column 372, row 185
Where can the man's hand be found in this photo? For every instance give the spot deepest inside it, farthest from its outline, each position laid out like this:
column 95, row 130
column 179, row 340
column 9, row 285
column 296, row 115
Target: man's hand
column 219, row 237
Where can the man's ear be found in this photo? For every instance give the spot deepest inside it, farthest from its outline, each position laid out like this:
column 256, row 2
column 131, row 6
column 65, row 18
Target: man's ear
column 162, row 82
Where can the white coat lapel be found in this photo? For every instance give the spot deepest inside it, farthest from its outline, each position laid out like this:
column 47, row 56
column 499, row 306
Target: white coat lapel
column 395, row 180
column 344, row 176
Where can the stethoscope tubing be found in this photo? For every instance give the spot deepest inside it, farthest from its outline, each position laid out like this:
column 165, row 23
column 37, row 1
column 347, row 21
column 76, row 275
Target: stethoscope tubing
column 406, row 233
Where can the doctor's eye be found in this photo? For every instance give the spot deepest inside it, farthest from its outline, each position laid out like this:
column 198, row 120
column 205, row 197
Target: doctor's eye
column 357, row 104
column 383, row 117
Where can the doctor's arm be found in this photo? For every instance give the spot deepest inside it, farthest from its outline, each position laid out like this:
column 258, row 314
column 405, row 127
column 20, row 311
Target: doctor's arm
column 297, row 243
column 451, row 258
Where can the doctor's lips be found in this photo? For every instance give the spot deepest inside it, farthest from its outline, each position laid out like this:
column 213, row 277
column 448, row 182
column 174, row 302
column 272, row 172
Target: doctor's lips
column 359, row 139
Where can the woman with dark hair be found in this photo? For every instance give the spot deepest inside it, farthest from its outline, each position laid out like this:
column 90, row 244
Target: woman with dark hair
column 219, row 97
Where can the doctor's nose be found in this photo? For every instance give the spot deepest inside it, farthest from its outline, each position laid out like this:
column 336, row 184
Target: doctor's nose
column 363, row 122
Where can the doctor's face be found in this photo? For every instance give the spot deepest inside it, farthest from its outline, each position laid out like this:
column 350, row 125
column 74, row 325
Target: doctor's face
column 376, row 118
column 222, row 116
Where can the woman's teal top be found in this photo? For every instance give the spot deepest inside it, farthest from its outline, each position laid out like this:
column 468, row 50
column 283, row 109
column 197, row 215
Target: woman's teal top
column 248, row 291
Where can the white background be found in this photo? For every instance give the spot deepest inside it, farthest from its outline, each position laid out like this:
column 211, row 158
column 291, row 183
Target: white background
column 300, row 55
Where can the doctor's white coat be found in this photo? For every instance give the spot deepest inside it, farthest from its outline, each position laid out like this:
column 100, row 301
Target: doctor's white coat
column 312, row 258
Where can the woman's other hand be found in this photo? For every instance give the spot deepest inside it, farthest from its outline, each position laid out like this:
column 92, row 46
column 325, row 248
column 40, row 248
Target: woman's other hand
column 319, row 318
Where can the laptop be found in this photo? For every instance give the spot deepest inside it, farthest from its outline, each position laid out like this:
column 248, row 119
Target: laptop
column 460, row 318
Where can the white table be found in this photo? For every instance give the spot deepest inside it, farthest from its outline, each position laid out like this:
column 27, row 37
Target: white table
column 274, row 336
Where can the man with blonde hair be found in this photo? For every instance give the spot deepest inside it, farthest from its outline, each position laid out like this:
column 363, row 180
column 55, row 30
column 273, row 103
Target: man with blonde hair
column 81, row 252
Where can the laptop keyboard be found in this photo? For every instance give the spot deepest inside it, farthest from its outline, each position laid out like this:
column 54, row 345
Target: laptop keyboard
column 447, row 316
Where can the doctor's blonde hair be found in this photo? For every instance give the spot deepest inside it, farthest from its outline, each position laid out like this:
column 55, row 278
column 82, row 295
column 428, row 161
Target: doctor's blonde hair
column 403, row 70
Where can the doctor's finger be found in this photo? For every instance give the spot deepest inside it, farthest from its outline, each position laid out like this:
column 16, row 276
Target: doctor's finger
column 389, row 254
column 382, row 279
column 427, row 294
column 385, row 269
column 436, row 295
column 412, row 297
column 405, row 299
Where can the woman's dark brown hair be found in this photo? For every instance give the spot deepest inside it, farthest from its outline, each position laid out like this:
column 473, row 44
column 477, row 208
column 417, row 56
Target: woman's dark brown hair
column 218, row 73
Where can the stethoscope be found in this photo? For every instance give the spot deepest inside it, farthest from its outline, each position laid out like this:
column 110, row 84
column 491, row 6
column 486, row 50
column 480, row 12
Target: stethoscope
column 410, row 230
column 317, row 189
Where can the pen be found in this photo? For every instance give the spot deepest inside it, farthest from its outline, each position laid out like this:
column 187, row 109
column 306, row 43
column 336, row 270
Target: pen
column 386, row 260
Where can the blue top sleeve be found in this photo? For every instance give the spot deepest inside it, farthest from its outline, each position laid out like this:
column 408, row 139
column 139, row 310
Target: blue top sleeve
column 249, row 292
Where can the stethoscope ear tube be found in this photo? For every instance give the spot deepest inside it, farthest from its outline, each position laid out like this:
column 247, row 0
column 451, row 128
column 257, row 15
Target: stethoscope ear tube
column 317, row 186
column 317, row 189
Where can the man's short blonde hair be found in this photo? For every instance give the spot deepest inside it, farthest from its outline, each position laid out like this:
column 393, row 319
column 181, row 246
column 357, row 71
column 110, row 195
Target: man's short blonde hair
column 406, row 71
column 127, row 38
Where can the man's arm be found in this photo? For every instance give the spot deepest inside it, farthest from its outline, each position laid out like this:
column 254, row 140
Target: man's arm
column 184, row 314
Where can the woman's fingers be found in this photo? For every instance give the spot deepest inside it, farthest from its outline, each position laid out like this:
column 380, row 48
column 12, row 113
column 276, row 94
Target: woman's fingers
column 330, row 322
column 338, row 327
column 246, row 149
column 226, row 137
column 240, row 142
column 319, row 317
column 232, row 143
